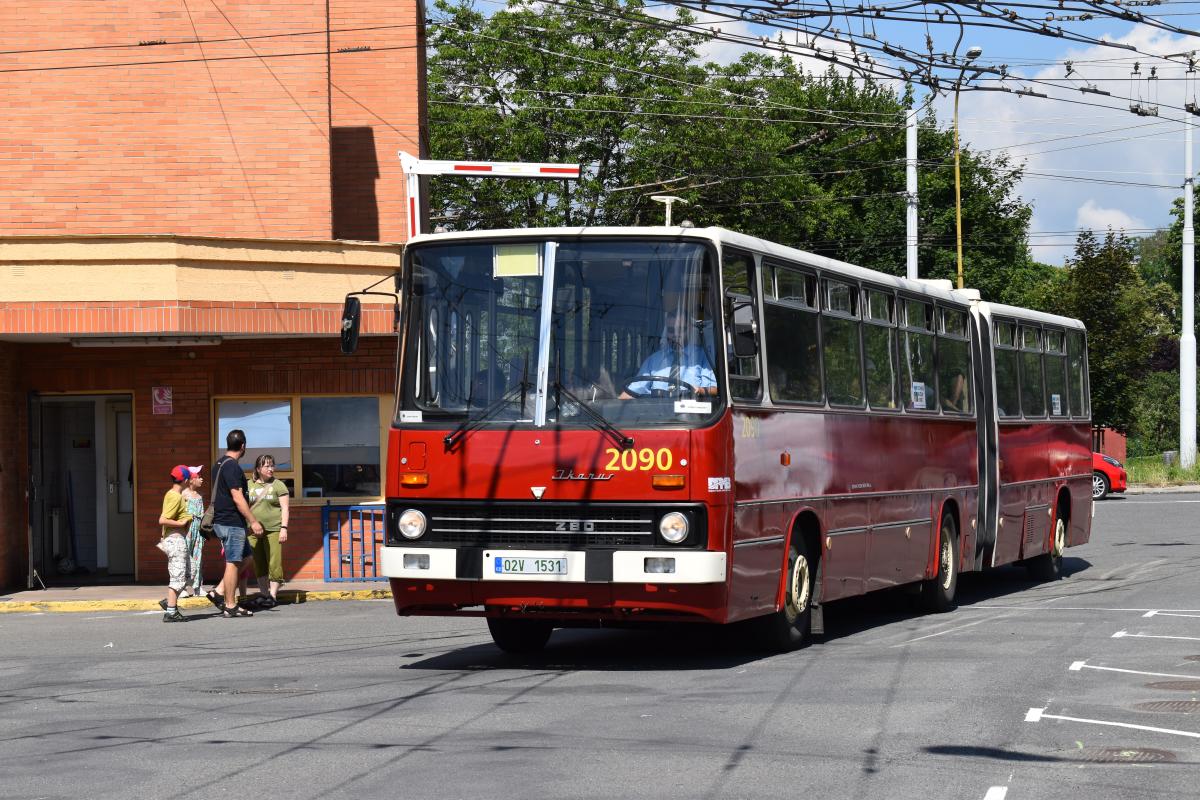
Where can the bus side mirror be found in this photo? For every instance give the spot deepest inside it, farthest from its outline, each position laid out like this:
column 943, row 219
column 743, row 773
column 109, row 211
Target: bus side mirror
column 745, row 330
column 351, row 320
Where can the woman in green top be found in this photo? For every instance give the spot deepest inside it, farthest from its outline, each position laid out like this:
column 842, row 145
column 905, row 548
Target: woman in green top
column 269, row 505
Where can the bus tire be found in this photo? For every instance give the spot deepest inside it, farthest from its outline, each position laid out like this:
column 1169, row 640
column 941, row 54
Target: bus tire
column 789, row 628
column 1048, row 566
column 937, row 595
column 519, row 636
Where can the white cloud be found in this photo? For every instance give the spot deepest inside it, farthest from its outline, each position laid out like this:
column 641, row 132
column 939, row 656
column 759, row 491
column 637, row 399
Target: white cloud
column 1094, row 217
column 1066, row 148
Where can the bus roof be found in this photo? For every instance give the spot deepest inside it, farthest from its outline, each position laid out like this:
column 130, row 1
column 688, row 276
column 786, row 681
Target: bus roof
column 716, row 236
column 1001, row 310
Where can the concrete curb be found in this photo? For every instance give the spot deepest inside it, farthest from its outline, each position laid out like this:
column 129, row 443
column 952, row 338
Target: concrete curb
column 1180, row 489
column 285, row 598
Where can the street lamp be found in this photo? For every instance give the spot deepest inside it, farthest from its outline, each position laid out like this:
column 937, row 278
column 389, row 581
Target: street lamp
column 972, row 54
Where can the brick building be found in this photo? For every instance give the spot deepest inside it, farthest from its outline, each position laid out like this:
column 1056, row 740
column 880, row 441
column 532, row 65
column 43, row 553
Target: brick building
column 190, row 190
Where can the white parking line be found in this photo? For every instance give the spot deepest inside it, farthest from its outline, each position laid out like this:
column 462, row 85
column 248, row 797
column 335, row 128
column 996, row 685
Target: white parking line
column 996, row 793
column 1127, row 635
column 1139, row 501
column 948, row 630
column 1156, row 613
column 1078, row 608
column 1132, row 572
column 1039, row 714
column 1081, row 665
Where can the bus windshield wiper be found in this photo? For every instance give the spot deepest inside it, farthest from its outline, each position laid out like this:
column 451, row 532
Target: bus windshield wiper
column 501, row 402
column 598, row 421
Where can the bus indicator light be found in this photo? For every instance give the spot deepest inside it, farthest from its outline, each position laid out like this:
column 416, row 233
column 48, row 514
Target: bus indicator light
column 414, row 480
column 667, row 481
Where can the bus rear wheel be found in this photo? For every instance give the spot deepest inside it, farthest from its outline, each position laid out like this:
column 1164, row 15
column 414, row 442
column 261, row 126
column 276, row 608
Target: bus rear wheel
column 1048, row 566
column 788, row 628
column 938, row 594
column 519, row 636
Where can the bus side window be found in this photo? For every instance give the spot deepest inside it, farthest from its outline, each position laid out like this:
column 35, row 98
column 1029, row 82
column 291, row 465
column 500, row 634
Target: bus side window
column 737, row 272
column 793, row 343
column 842, row 350
column 954, row 362
column 1008, row 386
column 879, row 342
column 1055, row 361
column 1033, row 388
column 919, row 386
column 1077, row 373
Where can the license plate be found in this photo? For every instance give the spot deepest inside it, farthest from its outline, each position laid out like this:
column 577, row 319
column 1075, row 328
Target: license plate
column 534, row 565
column 521, row 565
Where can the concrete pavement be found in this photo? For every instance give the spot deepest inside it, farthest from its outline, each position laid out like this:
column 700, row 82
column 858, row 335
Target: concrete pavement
column 141, row 597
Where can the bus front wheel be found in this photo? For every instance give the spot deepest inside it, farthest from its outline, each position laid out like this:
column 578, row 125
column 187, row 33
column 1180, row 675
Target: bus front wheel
column 938, row 593
column 788, row 628
column 519, row 636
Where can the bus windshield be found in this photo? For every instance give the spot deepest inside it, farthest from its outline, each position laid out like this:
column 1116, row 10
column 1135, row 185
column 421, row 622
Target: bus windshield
column 631, row 338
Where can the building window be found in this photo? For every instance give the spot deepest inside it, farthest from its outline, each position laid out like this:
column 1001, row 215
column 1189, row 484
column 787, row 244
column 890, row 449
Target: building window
column 340, row 448
column 324, row 446
column 267, row 425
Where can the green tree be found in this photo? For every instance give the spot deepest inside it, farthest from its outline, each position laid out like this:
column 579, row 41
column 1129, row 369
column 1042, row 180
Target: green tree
column 546, row 84
column 759, row 146
column 1104, row 289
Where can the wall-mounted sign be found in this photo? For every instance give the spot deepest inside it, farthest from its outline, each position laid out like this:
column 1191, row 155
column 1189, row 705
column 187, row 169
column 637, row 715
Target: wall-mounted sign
column 162, row 400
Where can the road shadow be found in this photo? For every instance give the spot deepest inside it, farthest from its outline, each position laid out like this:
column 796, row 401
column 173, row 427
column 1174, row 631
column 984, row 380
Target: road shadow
column 676, row 647
column 879, row 609
column 683, row 647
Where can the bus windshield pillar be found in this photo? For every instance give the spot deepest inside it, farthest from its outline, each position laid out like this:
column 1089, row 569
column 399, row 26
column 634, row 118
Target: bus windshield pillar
column 549, row 251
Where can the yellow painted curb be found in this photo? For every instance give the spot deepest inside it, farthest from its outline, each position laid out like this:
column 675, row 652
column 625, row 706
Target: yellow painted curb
column 286, row 597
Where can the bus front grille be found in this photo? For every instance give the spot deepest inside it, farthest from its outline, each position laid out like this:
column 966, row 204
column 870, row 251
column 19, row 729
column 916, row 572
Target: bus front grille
column 541, row 526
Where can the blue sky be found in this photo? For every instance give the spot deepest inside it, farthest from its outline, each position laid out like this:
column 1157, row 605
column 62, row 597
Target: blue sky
column 1082, row 161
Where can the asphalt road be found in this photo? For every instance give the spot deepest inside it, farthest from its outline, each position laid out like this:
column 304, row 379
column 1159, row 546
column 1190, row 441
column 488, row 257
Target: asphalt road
column 1084, row 688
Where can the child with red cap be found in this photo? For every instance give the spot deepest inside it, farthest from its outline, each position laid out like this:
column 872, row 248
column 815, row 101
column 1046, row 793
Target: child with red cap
column 175, row 520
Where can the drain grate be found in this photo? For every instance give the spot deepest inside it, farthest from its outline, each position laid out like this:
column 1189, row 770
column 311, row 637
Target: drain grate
column 1170, row 706
column 1124, row 755
column 1177, row 686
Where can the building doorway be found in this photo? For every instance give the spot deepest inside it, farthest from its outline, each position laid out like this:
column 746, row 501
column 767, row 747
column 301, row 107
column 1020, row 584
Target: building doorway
column 81, row 507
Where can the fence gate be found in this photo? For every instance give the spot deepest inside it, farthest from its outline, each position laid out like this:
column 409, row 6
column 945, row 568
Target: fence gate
column 354, row 536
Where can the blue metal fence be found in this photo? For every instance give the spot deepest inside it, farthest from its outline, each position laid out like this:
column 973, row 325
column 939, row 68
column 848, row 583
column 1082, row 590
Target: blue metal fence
column 353, row 538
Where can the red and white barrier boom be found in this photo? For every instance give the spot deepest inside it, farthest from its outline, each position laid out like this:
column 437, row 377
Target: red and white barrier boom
column 415, row 167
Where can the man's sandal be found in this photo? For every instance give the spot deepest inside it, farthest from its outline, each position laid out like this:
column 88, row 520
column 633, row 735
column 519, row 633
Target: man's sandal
column 236, row 611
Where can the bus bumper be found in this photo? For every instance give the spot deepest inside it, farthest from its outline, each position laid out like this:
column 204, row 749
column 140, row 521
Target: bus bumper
column 427, row 581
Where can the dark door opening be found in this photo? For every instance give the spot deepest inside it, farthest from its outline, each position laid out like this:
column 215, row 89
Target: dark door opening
column 81, row 506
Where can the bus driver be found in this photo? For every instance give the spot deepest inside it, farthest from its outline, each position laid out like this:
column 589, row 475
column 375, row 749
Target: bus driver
column 680, row 358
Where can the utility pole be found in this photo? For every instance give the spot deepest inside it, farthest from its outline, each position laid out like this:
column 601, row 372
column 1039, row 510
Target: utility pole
column 1187, row 336
column 911, row 154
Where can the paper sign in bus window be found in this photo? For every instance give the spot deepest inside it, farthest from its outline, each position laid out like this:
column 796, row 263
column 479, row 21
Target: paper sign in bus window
column 516, row 260
column 1056, row 405
column 918, row 394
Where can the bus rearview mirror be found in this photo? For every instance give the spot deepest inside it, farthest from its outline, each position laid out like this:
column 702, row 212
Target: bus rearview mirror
column 351, row 320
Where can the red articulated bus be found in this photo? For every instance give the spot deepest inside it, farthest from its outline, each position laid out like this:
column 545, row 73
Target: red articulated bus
column 645, row 424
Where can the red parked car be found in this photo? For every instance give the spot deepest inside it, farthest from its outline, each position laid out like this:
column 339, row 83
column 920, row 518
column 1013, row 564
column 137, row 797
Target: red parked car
column 1108, row 475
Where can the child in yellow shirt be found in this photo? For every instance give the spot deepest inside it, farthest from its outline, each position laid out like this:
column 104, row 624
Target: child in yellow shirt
column 175, row 520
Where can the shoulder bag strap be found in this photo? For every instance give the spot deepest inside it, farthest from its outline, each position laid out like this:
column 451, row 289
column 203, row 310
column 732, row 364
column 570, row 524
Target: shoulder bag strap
column 212, row 496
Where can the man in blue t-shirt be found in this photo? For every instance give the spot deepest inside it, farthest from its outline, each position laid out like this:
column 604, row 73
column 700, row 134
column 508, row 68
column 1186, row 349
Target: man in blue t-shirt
column 678, row 360
column 231, row 518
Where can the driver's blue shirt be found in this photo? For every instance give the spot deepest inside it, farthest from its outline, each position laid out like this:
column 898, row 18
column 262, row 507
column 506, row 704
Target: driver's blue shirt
column 694, row 369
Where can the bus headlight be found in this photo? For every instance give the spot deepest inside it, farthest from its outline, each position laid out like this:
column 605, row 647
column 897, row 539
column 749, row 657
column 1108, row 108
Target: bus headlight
column 411, row 524
column 673, row 527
